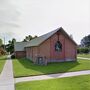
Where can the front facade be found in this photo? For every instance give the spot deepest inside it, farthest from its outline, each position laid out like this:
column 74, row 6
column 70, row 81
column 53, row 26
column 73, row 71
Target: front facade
column 55, row 46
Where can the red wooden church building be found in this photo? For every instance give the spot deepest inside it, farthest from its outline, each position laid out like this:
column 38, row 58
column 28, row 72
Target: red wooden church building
column 55, row 46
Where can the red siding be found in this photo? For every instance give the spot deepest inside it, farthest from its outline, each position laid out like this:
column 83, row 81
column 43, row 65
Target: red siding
column 20, row 54
column 57, row 55
column 70, row 49
column 44, row 49
column 34, row 53
column 31, row 52
column 47, row 49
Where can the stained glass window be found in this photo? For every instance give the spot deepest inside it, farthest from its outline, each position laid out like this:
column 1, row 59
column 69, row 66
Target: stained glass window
column 58, row 46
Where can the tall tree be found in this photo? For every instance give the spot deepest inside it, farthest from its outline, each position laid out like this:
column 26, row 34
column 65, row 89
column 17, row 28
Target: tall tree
column 10, row 46
column 2, row 51
column 35, row 36
column 85, row 42
column 0, row 42
column 29, row 37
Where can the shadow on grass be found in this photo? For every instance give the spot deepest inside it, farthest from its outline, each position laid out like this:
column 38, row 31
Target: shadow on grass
column 51, row 68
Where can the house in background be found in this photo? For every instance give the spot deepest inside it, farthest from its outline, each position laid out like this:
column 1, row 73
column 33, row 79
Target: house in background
column 55, row 46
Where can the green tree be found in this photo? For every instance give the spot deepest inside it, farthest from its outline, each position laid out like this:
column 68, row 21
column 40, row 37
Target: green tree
column 35, row 36
column 85, row 42
column 83, row 50
column 0, row 42
column 10, row 45
column 29, row 37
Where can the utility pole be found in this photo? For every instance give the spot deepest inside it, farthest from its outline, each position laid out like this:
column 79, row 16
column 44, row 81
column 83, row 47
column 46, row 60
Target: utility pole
column 4, row 43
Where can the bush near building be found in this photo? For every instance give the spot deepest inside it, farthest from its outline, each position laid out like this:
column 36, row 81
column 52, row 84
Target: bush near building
column 82, row 50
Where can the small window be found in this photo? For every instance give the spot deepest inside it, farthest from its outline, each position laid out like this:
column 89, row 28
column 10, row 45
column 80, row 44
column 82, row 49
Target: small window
column 58, row 46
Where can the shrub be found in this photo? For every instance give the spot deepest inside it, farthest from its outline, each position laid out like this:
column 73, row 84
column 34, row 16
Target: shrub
column 83, row 50
column 12, row 56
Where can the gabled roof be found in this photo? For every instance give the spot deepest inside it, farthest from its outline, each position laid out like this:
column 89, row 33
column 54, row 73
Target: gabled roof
column 37, row 41
column 19, row 46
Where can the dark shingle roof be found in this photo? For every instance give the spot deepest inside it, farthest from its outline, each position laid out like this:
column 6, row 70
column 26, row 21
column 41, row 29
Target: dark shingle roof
column 37, row 41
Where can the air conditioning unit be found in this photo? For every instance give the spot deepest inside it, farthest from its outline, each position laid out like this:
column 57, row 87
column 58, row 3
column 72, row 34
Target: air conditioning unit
column 40, row 61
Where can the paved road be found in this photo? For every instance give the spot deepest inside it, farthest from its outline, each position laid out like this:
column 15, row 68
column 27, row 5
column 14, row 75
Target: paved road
column 51, row 76
column 6, row 77
column 83, row 58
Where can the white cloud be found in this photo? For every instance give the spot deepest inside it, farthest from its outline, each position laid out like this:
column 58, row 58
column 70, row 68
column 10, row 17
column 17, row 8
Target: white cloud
column 36, row 17
column 8, row 19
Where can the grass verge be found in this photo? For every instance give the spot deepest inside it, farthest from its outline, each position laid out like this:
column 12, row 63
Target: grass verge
column 70, row 83
column 2, row 62
column 24, row 67
column 84, row 55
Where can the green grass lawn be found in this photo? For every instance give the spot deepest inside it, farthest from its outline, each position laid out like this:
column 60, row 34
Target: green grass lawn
column 69, row 83
column 84, row 55
column 2, row 62
column 24, row 67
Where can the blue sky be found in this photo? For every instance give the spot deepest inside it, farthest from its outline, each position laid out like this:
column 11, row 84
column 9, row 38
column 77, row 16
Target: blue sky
column 19, row 18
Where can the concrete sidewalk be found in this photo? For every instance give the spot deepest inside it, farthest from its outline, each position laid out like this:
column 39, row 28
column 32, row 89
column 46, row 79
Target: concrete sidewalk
column 6, row 77
column 51, row 76
column 83, row 58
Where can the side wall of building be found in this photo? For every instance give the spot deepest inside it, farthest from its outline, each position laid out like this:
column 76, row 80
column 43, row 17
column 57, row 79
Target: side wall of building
column 70, row 50
column 20, row 54
column 44, row 49
column 31, row 53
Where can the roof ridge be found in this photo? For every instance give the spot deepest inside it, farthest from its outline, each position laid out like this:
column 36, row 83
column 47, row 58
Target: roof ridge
column 37, row 41
column 42, row 38
column 47, row 33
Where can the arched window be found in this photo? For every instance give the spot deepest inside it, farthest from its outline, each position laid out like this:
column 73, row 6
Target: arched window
column 58, row 46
